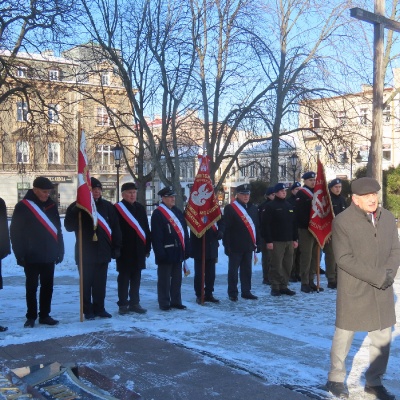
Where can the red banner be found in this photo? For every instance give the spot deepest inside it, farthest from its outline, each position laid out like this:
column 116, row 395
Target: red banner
column 321, row 215
column 202, row 210
column 84, row 198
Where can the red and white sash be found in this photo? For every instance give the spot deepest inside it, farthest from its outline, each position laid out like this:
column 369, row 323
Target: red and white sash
column 104, row 225
column 248, row 222
column 42, row 218
column 174, row 221
column 131, row 220
column 307, row 192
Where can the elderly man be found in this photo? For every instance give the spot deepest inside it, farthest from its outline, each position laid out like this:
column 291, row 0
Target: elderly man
column 136, row 246
column 367, row 253
column 241, row 239
column 38, row 245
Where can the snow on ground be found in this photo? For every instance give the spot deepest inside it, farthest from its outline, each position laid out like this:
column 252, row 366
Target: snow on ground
column 285, row 340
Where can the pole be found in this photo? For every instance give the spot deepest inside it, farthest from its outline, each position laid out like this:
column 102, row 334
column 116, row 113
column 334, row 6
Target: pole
column 318, row 266
column 80, row 265
column 203, row 266
column 117, row 183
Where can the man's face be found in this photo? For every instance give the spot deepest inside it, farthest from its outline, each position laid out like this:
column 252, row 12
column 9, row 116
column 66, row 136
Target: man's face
column 169, row 201
column 367, row 202
column 129, row 195
column 42, row 194
column 295, row 190
column 310, row 182
column 96, row 192
column 336, row 189
column 281, row 194
column 271, row 196
column 243, row 197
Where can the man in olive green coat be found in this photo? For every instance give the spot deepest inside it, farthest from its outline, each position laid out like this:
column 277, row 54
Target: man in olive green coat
column 367, row 251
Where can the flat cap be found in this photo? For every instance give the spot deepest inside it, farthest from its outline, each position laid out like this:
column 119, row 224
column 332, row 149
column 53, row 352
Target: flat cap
column 295, row 185
column 167, row 192
column 243, row 189
column 279, row 186
column 334, row 182
column 95, row 183
column 128, row 186
column 308, row 175
column 270, row 190
column 365, row 185
column 42, row 182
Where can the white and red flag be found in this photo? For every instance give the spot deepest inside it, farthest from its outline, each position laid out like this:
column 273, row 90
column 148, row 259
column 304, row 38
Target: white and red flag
column 202, row 210
column 84, row 197
column 321, row 215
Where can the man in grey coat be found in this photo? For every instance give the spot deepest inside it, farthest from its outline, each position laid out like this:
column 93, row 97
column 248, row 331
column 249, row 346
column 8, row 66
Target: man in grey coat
column 367, row 251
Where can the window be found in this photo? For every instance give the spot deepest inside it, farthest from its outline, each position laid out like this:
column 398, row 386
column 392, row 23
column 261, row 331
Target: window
column 22, row 152
column 53, row 153
column 105, row 78
column 243, row 172
column 105, row 154
column 54, row 74
column 314, row 121
column 341, row 118
column 22, row 111
column 282, row 170
column 103, row 119
column 386, row 114
column 53, row 114
column 22, row 72
column 364, row 116
column 386, row 152
column 253, row 171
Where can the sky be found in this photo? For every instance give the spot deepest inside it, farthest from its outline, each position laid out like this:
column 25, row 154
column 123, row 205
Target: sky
column 285, row 340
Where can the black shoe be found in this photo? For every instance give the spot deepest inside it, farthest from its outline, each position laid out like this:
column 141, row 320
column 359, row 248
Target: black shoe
column 89, row 317
column 165, row 308
column 338, row 389
column 275, row 292
column 305, row 288
column 332, row 285
column 30, row 323
column 123, row 310
column 178, row 306
column 198, row 300
column 249, row 296
column 380, row 392
column 313, row 287
column 233, row 298
column 3, row 328
column 137, row 308
column 287, row 292
column 321, row 271
column 211, row 299
column 48, row 321
column 103, row 314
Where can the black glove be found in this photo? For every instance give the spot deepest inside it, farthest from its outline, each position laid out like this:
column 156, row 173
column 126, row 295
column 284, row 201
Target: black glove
column 388, row 281
column 60, row 259
column 227, row 251
column 116, row 253
column 21, row 262
column 220, row 235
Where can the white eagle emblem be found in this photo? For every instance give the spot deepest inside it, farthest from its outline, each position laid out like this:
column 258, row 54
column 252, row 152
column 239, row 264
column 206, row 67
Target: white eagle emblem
column 320, row 207
column 200, row 196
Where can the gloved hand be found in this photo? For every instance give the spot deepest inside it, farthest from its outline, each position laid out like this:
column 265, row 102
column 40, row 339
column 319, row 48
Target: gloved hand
column 227, row 251
column 116, row 253
column 60, row 258
column 220, row 235
column 388, row 281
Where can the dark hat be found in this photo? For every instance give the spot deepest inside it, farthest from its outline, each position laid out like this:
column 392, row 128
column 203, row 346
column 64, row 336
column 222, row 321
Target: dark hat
column 243, row 189
column 270, row 190
column 42, row 183
column 308, row 175
column 279, row 186
column 295, row 185
column 167, row 192
column 95, row 183
column 128, row 186
column 334, row 182
column 365, row 186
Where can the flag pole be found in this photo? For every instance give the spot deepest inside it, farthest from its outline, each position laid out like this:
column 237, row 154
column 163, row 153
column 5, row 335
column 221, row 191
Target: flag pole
column 203, row 265
column 80, row 266
column 318, row 250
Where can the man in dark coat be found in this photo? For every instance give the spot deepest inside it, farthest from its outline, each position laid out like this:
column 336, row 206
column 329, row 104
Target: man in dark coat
column 338, row 205
column 308, row 245
column 96, row 254
column 280, row 234
column 5, row 249
column 136, row 246
column 241, row 239
column 171, row 245
column 295, row 273
column 367, row 251
column 38, row 245
column 212, row 236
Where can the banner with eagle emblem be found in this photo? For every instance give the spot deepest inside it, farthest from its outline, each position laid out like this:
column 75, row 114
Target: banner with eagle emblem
column 202, row 210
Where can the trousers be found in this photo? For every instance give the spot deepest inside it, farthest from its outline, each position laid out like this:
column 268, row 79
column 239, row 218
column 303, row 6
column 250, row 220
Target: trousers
column 239, row 263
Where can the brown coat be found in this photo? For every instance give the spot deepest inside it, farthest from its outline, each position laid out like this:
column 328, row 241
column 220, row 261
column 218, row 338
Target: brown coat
column 364, row 253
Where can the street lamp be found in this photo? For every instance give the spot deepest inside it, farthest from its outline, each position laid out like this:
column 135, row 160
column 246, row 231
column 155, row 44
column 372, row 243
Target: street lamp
column 117, row 150
column 346, row 159
column 293, row 162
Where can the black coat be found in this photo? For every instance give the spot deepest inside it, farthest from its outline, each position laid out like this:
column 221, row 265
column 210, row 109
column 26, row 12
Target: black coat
column 5, row 248
column 338, row 203
column 101, row 250
column 211, row 246
column 167, row 246
column 31, row 241
column 133, row 251
column 279, row 222
column 236, row 235
column 303, row 208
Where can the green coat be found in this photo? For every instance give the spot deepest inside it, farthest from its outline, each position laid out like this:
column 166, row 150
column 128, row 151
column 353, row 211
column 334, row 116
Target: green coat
column 363, row 253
